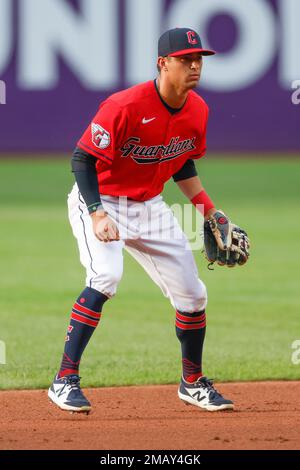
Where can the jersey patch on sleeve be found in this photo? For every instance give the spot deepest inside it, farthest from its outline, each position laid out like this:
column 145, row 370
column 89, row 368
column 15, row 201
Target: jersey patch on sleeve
column 100, row 137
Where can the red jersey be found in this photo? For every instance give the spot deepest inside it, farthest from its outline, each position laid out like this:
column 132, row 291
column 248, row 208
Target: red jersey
column 139, row 144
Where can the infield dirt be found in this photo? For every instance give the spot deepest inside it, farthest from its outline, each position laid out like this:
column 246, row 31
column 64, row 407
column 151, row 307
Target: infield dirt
column 266, row 416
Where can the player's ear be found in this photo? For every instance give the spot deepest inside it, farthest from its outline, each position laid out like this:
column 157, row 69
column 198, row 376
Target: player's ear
column 161, row 63
column 165, row 64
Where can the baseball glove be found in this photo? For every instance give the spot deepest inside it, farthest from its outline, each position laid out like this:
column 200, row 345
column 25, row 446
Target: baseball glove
column 224, row 242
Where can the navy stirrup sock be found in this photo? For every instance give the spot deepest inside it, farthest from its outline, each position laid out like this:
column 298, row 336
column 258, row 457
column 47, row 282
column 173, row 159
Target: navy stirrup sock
column 190, row 330
column 85, row 316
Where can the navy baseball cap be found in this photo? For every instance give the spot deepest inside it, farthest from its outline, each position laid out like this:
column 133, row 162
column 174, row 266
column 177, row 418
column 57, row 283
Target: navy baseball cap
column 180, row 41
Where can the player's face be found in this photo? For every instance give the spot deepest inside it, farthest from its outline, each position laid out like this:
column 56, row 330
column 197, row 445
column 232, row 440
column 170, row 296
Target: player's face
column 185, row 70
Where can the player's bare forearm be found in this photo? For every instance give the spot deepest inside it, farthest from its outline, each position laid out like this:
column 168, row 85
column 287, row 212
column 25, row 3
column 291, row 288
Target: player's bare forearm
column 191, row 187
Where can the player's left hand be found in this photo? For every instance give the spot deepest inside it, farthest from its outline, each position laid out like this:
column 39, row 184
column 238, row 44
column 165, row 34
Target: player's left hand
column 225, row 242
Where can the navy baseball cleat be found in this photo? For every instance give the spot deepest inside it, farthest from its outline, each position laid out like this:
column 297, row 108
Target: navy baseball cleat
column 203, row 394
column 67, row 394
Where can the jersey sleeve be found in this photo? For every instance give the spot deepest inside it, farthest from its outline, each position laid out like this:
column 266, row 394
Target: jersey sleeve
column 105, row 132
column 202, row 145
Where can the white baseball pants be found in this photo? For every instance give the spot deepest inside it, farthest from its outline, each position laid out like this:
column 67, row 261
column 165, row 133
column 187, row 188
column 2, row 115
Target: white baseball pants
column 152, row 235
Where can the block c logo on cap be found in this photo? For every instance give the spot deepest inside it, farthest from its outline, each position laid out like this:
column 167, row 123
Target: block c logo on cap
column 192, row 39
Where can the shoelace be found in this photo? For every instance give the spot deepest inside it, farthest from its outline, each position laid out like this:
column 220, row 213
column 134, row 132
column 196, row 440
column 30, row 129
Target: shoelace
column 73, row 382
column 208, row 384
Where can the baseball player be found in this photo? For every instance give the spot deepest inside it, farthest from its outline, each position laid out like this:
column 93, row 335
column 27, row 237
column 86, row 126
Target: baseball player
column 138, row 140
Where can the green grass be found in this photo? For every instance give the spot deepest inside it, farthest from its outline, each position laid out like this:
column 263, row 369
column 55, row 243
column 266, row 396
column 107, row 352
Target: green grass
column 253, row 312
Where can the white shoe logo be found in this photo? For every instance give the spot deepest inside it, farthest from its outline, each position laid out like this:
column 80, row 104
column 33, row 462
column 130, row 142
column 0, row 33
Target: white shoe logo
column 198, row 394
column 145, row 121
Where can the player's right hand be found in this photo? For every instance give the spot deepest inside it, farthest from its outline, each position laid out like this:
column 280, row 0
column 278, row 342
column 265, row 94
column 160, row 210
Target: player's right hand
column 104, row 227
